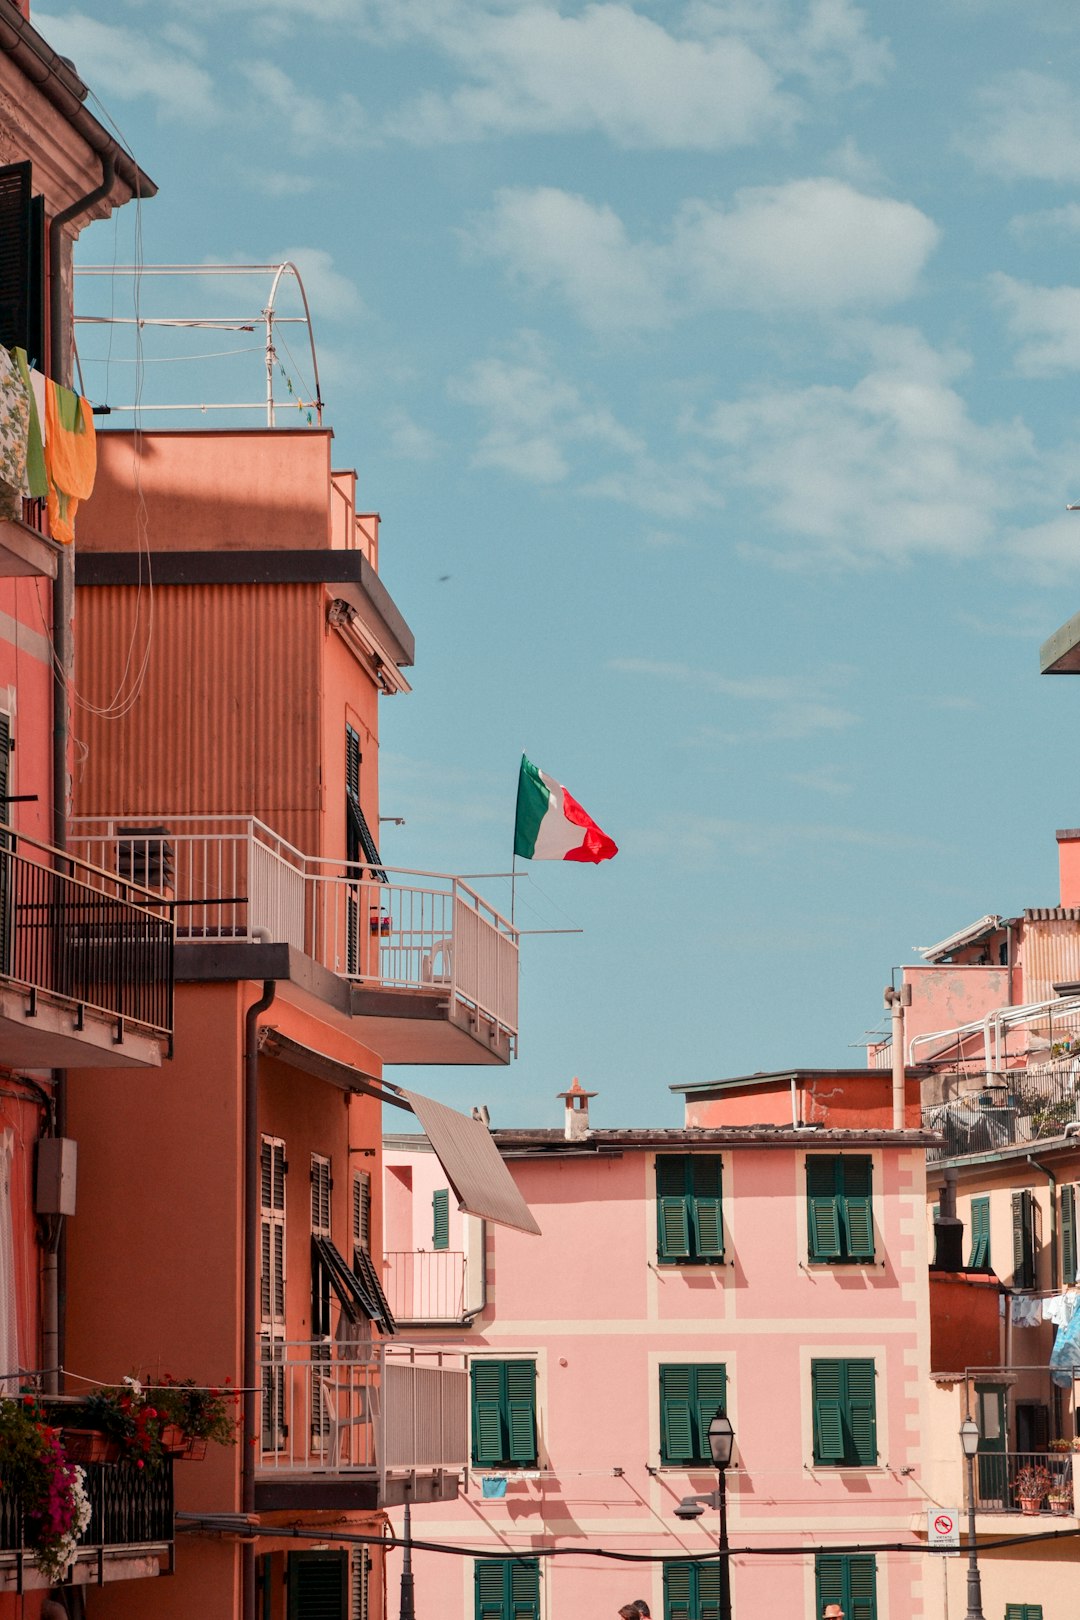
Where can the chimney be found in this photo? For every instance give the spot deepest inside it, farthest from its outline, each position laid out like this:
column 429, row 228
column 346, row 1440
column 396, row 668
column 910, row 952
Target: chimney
column 576, row 1122
column 948, row 1230
column 1068, row 842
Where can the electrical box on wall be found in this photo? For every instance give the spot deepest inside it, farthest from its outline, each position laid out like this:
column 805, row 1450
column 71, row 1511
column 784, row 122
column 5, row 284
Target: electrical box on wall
column 54, row 1190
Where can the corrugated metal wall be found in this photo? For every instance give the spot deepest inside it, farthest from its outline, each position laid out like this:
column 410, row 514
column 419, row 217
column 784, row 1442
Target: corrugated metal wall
column 1051, row 956
column 229, row 715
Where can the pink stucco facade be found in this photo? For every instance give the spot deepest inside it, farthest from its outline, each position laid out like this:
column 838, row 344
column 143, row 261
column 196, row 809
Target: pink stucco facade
column 593, row 1306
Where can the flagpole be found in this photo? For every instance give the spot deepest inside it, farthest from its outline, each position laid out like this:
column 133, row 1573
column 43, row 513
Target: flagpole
column 513, row 885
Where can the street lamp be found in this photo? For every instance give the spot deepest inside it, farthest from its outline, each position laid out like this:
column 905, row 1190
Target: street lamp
column 721, row 1439
column 969, row 1439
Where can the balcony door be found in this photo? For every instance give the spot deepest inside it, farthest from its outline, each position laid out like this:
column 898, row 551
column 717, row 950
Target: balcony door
column 992, row 1460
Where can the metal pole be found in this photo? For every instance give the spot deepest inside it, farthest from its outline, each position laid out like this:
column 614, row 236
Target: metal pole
column 724, row 1549
column 408, row 1611
column 974, row 1581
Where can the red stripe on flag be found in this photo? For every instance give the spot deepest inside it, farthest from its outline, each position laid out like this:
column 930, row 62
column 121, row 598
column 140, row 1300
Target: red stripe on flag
column 596, row 846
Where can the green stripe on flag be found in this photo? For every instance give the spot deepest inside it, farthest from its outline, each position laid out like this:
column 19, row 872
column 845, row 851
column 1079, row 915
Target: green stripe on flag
column 533, row 799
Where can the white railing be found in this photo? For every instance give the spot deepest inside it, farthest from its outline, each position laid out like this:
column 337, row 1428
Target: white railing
column 425, row 1285
column 233, row 876
column 361, row 1408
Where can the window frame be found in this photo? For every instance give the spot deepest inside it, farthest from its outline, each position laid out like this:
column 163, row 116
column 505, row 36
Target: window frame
column 840, row 1219
column 324, row 1563
column 689, row 1209
column 844, row 1415
column 504, row 1432
column 689, row 1410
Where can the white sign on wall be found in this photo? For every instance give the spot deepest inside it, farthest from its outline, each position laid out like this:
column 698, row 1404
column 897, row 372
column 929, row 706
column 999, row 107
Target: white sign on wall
column 943, row 1529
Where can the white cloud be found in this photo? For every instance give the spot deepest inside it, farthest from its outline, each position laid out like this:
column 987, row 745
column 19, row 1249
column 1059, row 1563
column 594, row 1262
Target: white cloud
column 331, row 295
column 314, row 120
column 1028, row 127
column 536, row 420
column 826, row 779
column 1045, row 324
column 1046, row 554
column 807, row 245
column 887, row 468
column 409, row 440
column 123, row 62
column 793, row 707
column 700, row 840
column 1065, row 219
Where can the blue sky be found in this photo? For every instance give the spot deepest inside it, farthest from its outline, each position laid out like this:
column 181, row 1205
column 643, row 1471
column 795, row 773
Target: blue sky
column 724, row 356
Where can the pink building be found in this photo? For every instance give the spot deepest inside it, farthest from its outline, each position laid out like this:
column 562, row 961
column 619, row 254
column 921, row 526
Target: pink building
column 775, row 1271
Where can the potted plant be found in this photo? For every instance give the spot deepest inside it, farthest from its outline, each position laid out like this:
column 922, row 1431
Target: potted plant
column 124, row 1415
column 195, row 1414
column 1031, row 1485
column 1061, row 1500
column 48, row 1487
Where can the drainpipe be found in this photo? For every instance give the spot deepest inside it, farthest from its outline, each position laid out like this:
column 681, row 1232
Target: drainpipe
column 251, row 1275
column 896, row 1001
column 1052, row 1179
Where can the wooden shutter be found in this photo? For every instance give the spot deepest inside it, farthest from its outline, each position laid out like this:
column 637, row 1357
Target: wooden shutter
column 524, row 1588
column 822, row 1215
column 862, row 1587
column 487, row 1389
column 710, row 1393
column 829, row 1574
column 862, row 1413
column 1023, row 1240
column 321, row 1186
column 489, row 1583
column 1023, row 1611
column 856, row 1177
column 705, row 1207
column 828, row 1393
column 361, row 1210
column 520, row 1379
column 708, row 1590
column 1068, row 1236
column 676, row 1414
column 440, row 1219
column 319, row 1586
column 979, row 1257
column 361, row 1567
column 678, row 1590
column 672, row 1215
column 22, row 263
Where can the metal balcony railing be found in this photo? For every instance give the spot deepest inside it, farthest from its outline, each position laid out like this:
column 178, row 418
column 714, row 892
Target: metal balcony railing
column 234, row 876
column 80, row 931
column 331, row 1408
column 1018, row 1105
column 425, row 1286
column 999, row 1480
column 130, row 1508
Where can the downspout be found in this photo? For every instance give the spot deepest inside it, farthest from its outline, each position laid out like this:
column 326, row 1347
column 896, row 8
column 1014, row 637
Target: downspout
column 251, row 1276
column 1052, row 1179
column 54, row 1271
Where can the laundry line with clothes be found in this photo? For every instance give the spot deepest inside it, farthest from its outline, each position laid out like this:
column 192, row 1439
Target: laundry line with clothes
column 48, row 445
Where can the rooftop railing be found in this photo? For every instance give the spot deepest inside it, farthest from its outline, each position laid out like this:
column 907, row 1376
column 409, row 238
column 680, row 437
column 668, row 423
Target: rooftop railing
column 425, row 1285
column 395, row 929
column 80, row 931
column 1007, row 1109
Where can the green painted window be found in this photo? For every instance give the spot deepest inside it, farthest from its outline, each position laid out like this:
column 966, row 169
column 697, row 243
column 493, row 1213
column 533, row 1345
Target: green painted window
column 838, row 1199
column 1023, row 1611
column 689, row 1398
column 1068, row 1235
column 440, row 1219
column 845, row 1421
column 979, row 1258
column 849, row 1579
column 1023, row 1227
column 503, row 1413
column 318, row 1585
column 507, row 1588
column 689, row 1226
column 691, row 1591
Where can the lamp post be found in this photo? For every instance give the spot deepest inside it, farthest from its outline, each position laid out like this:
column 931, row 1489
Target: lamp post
column 408, row 1608
column 969, row 1439
column 721, row 1445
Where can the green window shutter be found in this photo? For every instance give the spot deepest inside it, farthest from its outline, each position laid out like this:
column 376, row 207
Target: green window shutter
column 1068, row 1236
column 827, row 1386
column 489, row 1584
column 705, row 1206
column 679, row 1587
column 487, row 1387
column 1023, row 1241
column 708, row 1590
column 829, row 1578
column 849, row 1580
column 524, row 1584
column 710, row 1393
column 676, row 1414
column 823, row 1219
column 862, row 1413
column 672, row 1214
column 979, row 1258
column 856, row 1175
column 521, row 1410
column 1023, row 1611
column 318, row 1586
column 440, row 1219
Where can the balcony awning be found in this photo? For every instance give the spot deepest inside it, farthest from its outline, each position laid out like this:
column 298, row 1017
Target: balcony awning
column 464, row 1147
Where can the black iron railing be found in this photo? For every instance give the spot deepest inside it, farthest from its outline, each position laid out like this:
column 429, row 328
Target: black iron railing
column 1003, row 1478
column 75, row 931
column 129, row 1507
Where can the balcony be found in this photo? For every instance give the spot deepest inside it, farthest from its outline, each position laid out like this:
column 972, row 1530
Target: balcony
column 1016, row 1106
column 360, row 1425
column 996, row 1488
column 425, row 1286
column 130, row 1534
column 86, row 963
column 433, row 969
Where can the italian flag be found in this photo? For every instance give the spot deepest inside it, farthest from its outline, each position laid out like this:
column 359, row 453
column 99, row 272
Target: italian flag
column 551, row 825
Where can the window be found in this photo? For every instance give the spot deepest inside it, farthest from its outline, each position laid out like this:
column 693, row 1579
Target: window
column 845, row 1426
column 691, row 1591
column 22, row 267
column 507, row 1588
column 503, row 1413
column 1023, row 1611
column 689, row 1226
column 850, row 1580
column 979, row 1258
column 440, row 1219
column 689, row 1398
column 1068, row 1236
column 273, row 1169
column 318, row 1586
column 839, row 1220
column 1023, row 1227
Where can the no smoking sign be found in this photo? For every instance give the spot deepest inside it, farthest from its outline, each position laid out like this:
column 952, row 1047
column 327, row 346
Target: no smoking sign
column 943, row 1529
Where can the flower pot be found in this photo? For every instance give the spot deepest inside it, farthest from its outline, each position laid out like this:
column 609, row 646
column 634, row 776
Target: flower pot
column 195, row 1449
column 173, row 1440
column 1031, row 1504
column 90, row 1446
column 1061, row 1505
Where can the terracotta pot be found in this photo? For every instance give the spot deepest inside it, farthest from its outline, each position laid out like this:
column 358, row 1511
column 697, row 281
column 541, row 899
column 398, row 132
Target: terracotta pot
column 173, row 1439
column 90, row 1446
column 1031, row 1504
column 1060, row 1506
column 194, row 1450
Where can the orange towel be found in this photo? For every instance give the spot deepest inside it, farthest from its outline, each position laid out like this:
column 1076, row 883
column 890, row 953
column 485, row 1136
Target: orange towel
column 70, row 457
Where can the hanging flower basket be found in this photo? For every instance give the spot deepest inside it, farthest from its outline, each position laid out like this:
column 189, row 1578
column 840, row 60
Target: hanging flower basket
column 172, row 1439
column 89, row 1446
column 194, row 1449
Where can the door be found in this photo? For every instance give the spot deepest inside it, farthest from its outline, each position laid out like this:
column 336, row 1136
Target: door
column 992, row 1462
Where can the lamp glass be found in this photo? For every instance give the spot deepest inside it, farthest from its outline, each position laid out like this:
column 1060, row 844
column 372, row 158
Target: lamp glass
column 721, row 1439
column 969, row 1437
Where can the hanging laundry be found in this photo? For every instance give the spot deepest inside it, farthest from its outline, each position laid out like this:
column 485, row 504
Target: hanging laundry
column 1059, row 1308
column 14, row 432
column 1065, row 1356
column 1026, row 1312
column 70, row 457
column 493, row 1486
column 37, row 481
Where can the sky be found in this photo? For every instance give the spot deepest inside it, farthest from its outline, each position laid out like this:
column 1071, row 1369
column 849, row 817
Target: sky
column 713, row 366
